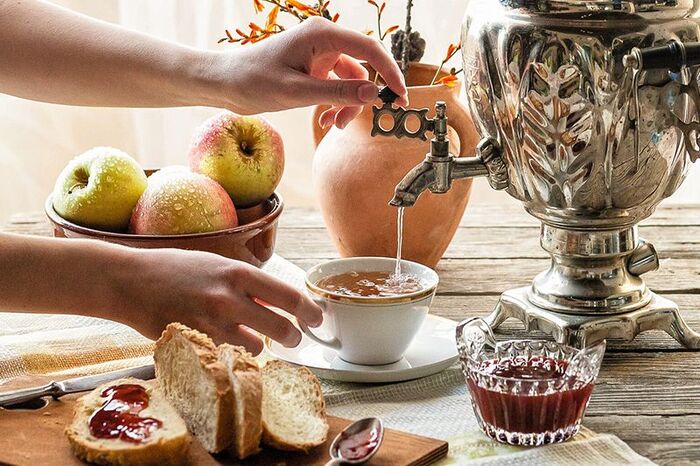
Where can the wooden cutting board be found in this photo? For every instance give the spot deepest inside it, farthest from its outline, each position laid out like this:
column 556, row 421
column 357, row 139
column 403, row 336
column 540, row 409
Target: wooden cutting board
column 29, row 438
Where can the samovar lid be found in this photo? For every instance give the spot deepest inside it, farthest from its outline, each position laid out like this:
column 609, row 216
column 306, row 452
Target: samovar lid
column 606, row 9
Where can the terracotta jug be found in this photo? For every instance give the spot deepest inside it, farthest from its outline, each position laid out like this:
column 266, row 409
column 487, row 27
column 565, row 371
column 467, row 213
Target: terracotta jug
column 355, row 175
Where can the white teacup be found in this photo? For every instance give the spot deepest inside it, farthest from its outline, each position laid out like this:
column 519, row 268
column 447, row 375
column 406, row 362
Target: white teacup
column 370, row 330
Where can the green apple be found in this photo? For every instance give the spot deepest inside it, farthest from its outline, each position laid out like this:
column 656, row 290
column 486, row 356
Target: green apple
column 99, row 189
column 244, row 154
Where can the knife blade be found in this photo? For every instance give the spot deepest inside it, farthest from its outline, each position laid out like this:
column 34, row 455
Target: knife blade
column 78, row 384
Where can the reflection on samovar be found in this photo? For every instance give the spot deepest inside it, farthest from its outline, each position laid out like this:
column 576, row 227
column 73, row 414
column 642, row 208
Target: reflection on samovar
column 589, row 116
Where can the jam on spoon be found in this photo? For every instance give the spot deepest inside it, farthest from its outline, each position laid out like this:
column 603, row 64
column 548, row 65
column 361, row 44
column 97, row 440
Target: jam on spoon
column 119, row 418
column 357, row 443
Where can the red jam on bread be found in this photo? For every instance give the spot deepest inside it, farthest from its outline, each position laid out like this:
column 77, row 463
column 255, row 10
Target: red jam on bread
column 119, row 417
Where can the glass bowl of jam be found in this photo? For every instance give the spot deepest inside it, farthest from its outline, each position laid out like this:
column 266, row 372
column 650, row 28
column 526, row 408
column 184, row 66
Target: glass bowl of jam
column 526, row 392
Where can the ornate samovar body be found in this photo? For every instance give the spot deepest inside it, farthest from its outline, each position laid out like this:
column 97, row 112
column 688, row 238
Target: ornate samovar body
column 589, row 114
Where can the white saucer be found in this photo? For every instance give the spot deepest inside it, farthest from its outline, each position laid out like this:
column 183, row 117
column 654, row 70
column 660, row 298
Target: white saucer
column 432, row 351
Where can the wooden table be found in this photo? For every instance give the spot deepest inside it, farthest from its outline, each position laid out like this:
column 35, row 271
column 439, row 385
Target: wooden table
column 649, row 390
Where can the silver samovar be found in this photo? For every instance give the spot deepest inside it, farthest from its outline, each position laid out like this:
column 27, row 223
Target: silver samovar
column 589, row 113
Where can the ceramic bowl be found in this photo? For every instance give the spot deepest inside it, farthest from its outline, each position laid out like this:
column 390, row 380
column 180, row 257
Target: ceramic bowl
column 253, row 241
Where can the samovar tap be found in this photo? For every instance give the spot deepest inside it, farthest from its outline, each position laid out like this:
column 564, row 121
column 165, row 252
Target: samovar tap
column 439, row 168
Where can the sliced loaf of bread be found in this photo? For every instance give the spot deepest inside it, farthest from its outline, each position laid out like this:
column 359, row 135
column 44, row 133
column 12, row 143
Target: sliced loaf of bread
column 293, row 409
column 167, row 444
column 246, row 381
column 197, row 384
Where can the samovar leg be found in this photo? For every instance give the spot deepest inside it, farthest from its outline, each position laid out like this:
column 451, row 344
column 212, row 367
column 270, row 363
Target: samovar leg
column 499, row 315
column 578, row 330
column 514, row 303
column 663, row 314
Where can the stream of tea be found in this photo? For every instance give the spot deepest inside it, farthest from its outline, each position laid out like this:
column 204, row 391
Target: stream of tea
column 401, row 282
column 373, row 283
column 399, row 241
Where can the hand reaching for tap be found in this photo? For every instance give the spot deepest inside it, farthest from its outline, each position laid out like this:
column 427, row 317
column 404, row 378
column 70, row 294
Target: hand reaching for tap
column 90, row 62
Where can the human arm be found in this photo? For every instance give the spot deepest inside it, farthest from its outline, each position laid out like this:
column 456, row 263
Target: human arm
column 52, row 54
column 147, row 289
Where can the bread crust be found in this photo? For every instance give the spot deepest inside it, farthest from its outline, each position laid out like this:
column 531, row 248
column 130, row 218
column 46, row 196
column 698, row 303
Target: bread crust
column 208, row 356
column 159, row 451
column 246, row 372
column 270, row 438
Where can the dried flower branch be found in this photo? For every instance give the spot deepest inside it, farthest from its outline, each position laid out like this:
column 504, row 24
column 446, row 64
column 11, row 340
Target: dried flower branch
column 406, row 45
column 451, row 79
column 380, row 9
column 295, row 8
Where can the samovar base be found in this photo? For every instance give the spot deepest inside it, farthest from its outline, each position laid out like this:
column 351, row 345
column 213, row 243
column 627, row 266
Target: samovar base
column 579, row 330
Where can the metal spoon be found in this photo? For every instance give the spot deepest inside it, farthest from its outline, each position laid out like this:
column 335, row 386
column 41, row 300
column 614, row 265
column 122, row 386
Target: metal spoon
column 357, row 443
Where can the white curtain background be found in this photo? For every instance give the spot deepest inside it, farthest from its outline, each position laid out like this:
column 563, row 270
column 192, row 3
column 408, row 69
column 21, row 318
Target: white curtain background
column 37, row 140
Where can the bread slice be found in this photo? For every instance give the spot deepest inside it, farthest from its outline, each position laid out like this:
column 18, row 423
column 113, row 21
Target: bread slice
column 166, row 445
column 197, row 384
column 246, row 381
column 293, row 410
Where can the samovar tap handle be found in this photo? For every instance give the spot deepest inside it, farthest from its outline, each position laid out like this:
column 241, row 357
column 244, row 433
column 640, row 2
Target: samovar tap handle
column 400, row 117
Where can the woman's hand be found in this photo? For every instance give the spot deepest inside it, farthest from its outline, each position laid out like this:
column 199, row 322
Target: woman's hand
column 215, row 295
column 148, row 289
column 312, row 63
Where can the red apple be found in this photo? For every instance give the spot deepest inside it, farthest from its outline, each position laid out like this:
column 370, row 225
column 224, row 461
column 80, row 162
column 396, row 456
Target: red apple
column 244, row 154
column 178, row 201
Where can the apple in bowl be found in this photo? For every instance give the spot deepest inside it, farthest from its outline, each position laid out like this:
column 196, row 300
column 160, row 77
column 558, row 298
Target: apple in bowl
column 178, row 201
column 244, row 154
column 99, row 189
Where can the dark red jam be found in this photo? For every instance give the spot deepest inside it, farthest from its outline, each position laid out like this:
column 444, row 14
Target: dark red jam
column 119, row 415
column 529, row 409
column 357, row 446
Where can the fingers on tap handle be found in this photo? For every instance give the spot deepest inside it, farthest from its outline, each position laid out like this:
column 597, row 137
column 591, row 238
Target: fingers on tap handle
column 387, row 95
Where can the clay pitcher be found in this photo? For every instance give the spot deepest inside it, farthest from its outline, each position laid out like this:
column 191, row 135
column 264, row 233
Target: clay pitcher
column 355, row 175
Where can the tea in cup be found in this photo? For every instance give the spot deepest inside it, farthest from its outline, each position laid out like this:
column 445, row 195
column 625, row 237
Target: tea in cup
column 371, row 316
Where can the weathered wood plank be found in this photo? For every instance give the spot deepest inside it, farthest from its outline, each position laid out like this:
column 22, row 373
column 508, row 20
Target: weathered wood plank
column 493, row 276
column 642, row 428
column 683, row 453
column 496, row 242
column 506, row 215
column 476, row 216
